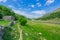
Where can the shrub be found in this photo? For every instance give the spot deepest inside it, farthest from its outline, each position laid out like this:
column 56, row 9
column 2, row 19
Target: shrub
column 7, row 34
column 10, row 34
column 1, row 16
column 23, row 20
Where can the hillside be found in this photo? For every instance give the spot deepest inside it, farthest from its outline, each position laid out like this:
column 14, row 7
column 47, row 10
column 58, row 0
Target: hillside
column 5, row 11
column 52, row 15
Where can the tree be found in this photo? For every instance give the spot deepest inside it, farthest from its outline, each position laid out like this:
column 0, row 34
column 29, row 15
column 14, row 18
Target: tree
column 23, row 20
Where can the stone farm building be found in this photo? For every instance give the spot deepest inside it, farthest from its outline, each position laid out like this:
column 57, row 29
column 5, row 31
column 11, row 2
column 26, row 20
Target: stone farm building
column 8, row 18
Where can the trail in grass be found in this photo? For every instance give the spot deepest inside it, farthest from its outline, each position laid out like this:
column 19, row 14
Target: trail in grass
column 20, row 32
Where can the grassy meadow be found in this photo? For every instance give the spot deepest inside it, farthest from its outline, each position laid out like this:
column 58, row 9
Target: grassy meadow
column 35, row 30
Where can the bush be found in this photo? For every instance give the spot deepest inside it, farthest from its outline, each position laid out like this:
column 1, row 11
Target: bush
column 10, row 34
column 7, row 34
column 23, row 20
column 1, row 16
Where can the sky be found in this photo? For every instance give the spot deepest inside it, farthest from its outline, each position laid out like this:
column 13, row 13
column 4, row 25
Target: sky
column 32, row 8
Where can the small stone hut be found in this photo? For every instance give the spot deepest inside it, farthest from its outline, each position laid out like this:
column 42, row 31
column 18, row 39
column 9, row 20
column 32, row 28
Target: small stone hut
column 8, row 18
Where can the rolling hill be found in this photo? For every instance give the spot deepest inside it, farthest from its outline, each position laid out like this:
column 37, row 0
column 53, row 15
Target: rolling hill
column 52, row 15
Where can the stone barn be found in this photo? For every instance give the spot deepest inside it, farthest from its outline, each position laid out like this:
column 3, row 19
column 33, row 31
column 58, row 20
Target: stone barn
column 10, row 18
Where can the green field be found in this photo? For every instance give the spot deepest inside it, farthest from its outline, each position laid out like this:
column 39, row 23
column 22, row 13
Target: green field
column 35, row 30
column 6, row 23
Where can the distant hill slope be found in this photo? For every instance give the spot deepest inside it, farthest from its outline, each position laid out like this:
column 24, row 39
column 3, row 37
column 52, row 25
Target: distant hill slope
column 53, row 15
column 6, row 11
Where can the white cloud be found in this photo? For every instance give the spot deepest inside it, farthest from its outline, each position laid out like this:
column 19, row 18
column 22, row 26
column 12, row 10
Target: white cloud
column 48, row 2
column 12, row 7
column 32, row 6
column 19, row 11
column 38, row 4
column 33, row 14
column 39, row 12
column 3, row 0
column 23, row 13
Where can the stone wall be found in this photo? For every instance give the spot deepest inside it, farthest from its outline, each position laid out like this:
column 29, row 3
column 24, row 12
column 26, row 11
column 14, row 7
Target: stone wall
column 8, row 18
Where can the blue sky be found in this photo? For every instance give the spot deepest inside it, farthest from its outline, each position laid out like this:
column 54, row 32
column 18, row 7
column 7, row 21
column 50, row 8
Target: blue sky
column 32, row 8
